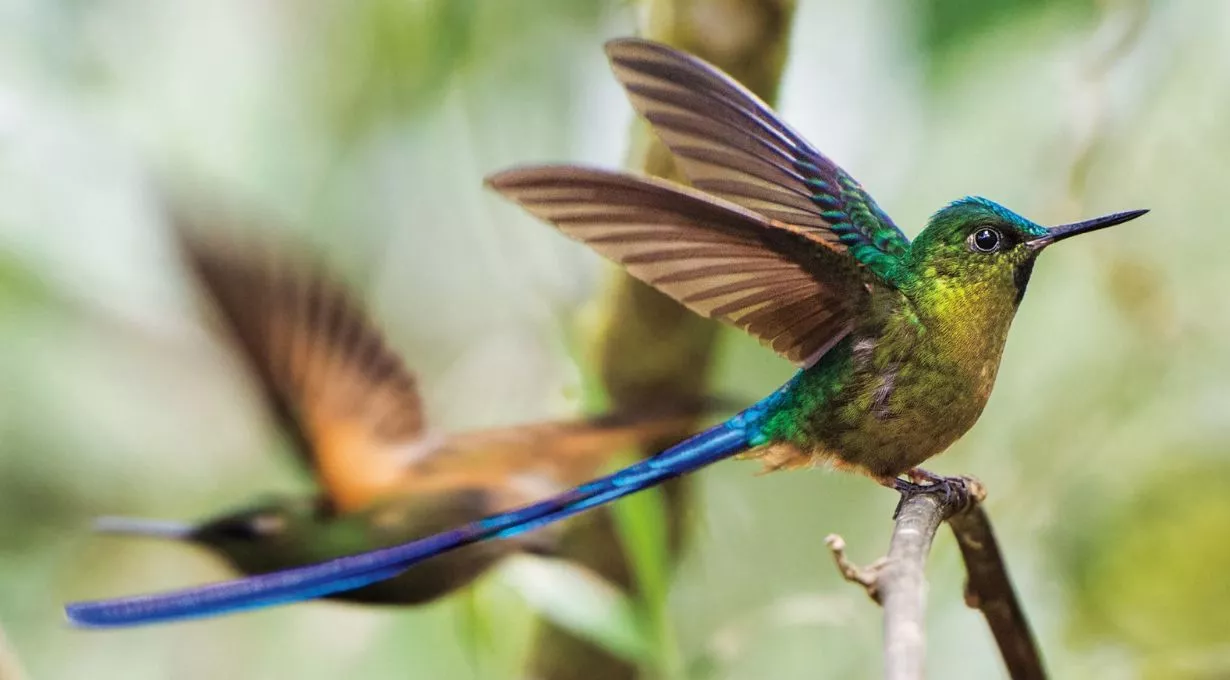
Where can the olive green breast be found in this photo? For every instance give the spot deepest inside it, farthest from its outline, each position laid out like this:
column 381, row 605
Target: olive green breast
column 898, row 390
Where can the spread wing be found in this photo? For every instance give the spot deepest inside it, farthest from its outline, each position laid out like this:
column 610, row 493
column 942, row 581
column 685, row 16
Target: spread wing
column 342, row 394
column 793, row 291
column 561, row 454
column 731, row 144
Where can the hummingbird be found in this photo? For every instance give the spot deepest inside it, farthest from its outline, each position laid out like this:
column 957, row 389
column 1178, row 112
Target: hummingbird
column 898, row 343
column 355, row 418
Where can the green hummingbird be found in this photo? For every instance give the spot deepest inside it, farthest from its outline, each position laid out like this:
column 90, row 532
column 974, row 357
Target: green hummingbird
column 898, row 342
column 355, row 418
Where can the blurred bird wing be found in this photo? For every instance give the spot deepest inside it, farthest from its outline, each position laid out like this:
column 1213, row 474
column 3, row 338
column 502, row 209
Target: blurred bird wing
column 731, row 144
column 794, row 292
column 566, row 453
column 346, row 398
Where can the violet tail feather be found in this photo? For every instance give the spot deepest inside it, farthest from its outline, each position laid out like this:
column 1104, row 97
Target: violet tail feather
column 356, row 571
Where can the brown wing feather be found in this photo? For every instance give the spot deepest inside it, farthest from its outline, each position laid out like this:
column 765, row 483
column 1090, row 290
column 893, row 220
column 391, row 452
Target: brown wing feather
column 537, row 460
column 342, row 394
column 731, row 144
column 794, row 293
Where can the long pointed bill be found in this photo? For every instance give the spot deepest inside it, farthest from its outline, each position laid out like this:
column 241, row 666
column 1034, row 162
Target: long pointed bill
column 149, row 528
column 1067, row 230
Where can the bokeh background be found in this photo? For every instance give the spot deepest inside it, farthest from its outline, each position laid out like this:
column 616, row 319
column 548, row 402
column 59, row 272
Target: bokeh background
column 367, row 126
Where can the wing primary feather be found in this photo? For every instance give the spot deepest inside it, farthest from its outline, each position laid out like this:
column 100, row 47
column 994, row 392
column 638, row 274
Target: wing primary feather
column 728, row 267
column 718, row 259
column 686, row 73
column 342, row 394
column 730, row 142
column 783, row 279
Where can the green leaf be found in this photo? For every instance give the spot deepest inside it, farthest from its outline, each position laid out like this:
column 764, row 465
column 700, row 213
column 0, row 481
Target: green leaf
column 580, row 601
column 641, row 521
column 947, row 26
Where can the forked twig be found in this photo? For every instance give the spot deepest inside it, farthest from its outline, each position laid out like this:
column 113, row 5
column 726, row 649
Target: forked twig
column 898, row 582
column 988, row 589
column 864, row 576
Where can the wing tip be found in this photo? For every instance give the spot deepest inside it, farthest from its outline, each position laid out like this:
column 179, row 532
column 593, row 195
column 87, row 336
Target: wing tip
column 617, row 48
column 533, row 176
column 634, row 47
column 505, row 179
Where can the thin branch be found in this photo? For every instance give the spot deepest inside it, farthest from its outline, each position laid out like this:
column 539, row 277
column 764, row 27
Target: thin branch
column 903, row 585
column 989, row 590
column 898, row 582
column 867, row 577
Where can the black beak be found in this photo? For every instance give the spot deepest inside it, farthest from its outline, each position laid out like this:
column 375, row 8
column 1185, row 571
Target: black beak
column 149, row 528
column 1067, row 230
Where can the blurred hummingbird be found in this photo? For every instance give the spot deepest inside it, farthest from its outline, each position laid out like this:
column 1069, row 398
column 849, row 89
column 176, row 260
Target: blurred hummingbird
column 355, row 416
column 898, row 342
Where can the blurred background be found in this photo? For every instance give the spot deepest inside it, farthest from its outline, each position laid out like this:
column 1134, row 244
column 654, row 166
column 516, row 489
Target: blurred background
column 367, row 126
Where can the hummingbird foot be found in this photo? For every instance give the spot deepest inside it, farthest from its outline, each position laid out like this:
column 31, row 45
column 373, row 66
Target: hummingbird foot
column 921, row 476
column 955, row 490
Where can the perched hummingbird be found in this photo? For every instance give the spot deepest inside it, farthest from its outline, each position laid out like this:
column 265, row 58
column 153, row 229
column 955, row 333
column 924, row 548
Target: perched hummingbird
column 899, row 342
column 355, row 416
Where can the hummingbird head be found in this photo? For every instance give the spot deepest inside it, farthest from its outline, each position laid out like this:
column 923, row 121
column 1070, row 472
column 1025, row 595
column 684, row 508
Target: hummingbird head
column 989, row 251
column 256, row 538
column 262, row 536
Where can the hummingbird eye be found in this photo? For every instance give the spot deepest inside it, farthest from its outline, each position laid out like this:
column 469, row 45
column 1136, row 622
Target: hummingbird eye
column 985, row 240
column 250, row 528
column 268, row 525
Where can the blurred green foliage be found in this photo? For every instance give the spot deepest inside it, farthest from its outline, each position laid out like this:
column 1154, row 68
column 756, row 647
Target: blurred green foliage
column 641, row 527
column 1104, row 446
column 382, row 61
column 946, row 26
column 1145, row 567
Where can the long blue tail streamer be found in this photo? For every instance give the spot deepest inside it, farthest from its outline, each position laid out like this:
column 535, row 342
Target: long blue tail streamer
column 356, row 571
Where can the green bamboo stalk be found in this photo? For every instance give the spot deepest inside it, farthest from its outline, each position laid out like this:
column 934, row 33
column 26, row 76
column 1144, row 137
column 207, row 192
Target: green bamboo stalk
column 647, row 347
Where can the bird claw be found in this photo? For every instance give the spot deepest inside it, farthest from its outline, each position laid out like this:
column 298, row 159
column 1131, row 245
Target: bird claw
column 955, row 490
column 919, row 476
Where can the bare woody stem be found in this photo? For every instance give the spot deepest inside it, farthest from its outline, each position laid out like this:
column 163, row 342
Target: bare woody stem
column 989, row 590
column 646, row 346
column 903, row 586
column 898, row 582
